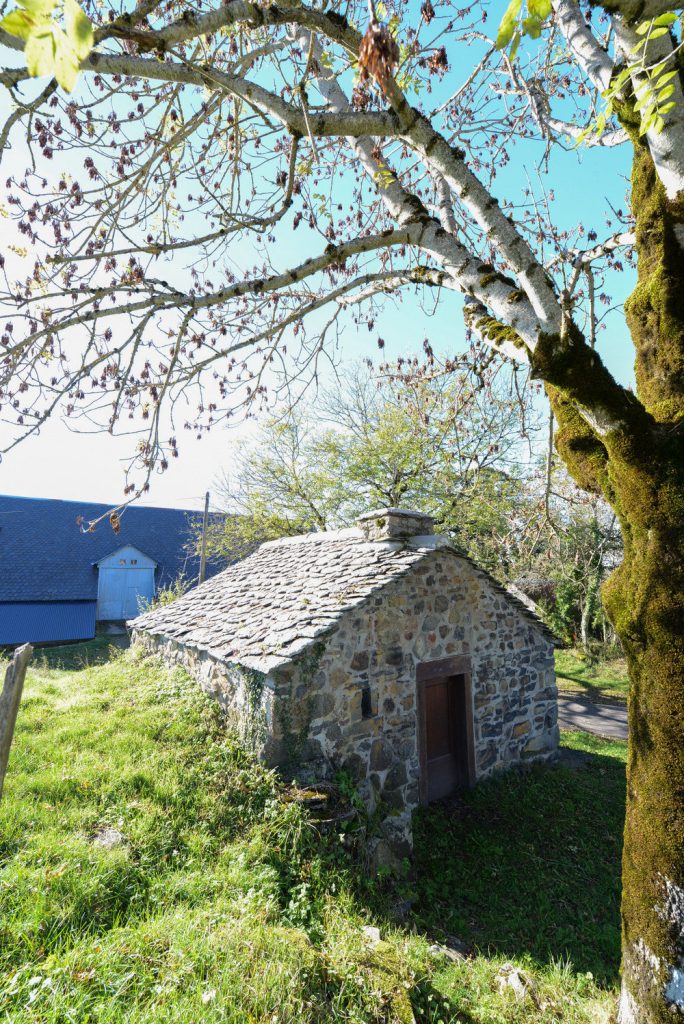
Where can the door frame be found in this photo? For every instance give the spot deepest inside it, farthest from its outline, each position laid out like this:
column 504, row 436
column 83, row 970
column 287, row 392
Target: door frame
column 444, row 668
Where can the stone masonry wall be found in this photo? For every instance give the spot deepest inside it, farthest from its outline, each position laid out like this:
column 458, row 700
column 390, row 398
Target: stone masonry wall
column 350, row 701
column 443, row 608
column 246, row 695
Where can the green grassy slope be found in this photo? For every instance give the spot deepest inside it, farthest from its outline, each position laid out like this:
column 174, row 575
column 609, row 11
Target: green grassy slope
column 221, row 901
column 606, row 680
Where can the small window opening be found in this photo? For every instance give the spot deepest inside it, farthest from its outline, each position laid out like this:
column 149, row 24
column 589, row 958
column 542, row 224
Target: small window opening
column 122, row 561
column 366, row 703
column 134, row 561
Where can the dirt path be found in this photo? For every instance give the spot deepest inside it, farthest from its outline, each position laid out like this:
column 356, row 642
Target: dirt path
column 608, row 720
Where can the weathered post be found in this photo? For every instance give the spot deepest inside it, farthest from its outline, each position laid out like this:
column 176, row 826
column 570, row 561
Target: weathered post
column 9, row 703
column 203, row 553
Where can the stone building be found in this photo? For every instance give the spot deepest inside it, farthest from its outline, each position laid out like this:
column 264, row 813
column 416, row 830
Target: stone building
column 382, row 650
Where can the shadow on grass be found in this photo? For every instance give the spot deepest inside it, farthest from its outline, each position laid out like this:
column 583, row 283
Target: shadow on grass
column 76, row 656
column 595, row 692
column 529, row 863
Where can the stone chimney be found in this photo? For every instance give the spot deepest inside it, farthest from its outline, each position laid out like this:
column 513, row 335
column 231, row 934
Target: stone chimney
column 395, row 524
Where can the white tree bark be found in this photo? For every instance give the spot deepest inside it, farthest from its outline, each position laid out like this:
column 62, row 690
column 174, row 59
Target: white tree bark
column 667, row 146
column 584, row 46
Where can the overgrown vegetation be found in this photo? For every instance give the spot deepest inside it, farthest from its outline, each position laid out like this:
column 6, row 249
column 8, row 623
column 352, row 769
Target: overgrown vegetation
column 168, row 594
column 151, row 870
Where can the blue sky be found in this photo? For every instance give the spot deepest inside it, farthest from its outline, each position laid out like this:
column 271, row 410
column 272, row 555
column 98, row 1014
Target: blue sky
column 585, row 182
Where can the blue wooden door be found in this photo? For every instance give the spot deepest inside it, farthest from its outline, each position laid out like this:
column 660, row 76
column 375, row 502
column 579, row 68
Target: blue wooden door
column 125, row 584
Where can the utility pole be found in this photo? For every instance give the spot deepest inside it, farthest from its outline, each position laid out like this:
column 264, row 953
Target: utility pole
column 203, row 551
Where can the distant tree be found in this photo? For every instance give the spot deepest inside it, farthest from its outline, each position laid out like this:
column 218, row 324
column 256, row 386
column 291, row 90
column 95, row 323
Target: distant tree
column 445, row 445
column 578, row 545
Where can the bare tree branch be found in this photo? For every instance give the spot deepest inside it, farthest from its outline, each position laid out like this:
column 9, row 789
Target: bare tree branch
column 585, row 47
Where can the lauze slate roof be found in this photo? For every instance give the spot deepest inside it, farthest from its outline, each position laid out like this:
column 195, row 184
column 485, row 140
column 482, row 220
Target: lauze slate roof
column 44, row 556
column 271, row 606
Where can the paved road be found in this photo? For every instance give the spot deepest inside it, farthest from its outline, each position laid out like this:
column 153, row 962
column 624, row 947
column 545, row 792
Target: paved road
column 602, row 719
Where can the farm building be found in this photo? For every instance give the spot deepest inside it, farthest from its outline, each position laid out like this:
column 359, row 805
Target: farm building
column 56, row 581
column 380, row 649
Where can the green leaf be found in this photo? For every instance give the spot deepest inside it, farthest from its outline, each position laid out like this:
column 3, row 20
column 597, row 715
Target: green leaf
column 66, row 61
column 621, row 79
column 539, row 8
column 658, row 32
column 17, row 23
column 40, row 53
column 646, row 123
column 79, row 29
column 647, row 100
column 49, row 50
column 665, row 93
column 599, row 127
column 39, row 9
column 660, row 82
column 508, row 23
column 667, row 107
column 515, row 44
column 658, row 125
column 668, row 18
column 643, row 28
column 532, row 26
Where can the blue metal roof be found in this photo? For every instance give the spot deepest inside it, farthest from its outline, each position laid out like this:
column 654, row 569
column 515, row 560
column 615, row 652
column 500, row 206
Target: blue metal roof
column 44, row 556
column 46, row 621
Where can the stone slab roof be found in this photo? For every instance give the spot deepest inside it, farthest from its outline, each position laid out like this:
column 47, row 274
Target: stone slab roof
column 268, row 608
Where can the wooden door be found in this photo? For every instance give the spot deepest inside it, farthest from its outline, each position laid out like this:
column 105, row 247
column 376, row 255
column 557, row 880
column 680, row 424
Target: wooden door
column 447, row 762
column 125, row 584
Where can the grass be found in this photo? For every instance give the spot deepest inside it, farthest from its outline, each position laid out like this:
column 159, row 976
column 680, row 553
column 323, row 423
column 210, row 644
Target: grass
column 221, row 902
column 77, row 656
column 537, row 872
column 605, row 680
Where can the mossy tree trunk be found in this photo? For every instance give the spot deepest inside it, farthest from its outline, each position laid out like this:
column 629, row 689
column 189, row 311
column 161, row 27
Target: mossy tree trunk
column 636, row 461
column 644, row 599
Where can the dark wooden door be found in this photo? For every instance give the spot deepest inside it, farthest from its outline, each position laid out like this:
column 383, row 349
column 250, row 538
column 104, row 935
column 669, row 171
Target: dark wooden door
column 446, row 736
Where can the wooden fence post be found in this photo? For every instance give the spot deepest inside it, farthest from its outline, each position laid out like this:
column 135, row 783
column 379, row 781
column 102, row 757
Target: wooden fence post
column 9, row 703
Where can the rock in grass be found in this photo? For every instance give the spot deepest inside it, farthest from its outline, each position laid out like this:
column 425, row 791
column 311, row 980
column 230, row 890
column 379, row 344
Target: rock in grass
column 512, row 978
column 108, row 838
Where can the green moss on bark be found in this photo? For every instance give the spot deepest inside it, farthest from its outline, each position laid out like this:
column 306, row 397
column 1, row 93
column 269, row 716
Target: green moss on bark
column 583, row 454
column 634, row 456
column 497, row 332
column 644, row 600
column 655, row 310
column 638, row 464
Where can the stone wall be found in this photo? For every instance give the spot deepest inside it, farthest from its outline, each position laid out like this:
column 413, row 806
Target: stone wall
column 350, row 701
column 246, row 695
column 356, row 701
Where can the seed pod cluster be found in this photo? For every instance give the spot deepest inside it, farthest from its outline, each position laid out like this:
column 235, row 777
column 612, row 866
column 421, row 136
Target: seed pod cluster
column 378, row 55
